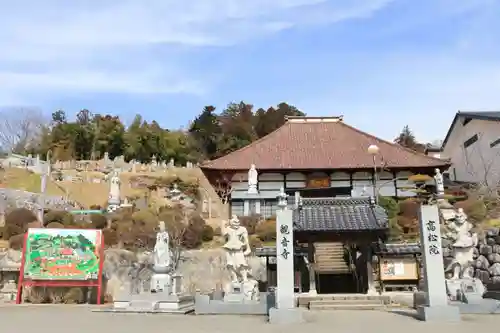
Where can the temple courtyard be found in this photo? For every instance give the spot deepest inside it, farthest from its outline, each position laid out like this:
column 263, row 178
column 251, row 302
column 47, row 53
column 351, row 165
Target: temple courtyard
column 80, row 319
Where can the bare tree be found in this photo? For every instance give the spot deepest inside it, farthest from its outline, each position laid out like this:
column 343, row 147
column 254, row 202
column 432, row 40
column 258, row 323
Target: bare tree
column 483, row 167
column 224, row 187
column 18, row 127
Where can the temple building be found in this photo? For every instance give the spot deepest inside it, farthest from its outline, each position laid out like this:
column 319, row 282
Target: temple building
column 331, row 175
column 317, row 157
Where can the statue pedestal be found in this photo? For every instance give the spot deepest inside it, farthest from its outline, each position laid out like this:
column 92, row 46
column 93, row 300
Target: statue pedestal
column 161, row 282
column 252, row 189
column 241, row 292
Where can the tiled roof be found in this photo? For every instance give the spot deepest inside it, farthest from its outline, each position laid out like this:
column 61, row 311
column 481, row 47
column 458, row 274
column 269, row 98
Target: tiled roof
column 319, row 143
column 339, row 214
column 270, row 251
column 399, row 248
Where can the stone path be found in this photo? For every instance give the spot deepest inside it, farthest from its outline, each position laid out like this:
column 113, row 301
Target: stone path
column 80, row 319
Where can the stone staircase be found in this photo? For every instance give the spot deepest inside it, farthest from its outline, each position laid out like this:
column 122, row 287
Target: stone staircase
column 329, row 259
column 345, row 302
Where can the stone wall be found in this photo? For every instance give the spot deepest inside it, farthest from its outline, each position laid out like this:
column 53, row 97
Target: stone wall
column 202, row 270
column 487, row 259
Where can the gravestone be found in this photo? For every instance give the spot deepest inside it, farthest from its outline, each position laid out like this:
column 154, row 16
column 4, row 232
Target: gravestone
column 437, row 307
column 285, row 311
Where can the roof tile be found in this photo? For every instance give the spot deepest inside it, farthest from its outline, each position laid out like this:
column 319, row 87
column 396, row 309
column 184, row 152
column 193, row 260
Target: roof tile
column 319, row 144
column 339, row 214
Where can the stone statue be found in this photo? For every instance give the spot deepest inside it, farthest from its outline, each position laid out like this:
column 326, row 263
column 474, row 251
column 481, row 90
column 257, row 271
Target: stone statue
column 438, row 179
column 252, row 179
column 464, row 242
column 237, row 248
column 114, row 191
column 161, row 253
column 161, row 280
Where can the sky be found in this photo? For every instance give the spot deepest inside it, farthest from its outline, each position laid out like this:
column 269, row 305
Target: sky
column 382, row 64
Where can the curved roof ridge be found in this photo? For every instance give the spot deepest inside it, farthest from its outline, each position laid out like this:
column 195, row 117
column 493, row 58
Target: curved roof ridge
column 392, row 143
column 303, row 145
column 252, row 144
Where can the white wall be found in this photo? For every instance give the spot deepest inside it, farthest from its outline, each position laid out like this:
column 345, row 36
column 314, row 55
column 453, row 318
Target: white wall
column 478, row 162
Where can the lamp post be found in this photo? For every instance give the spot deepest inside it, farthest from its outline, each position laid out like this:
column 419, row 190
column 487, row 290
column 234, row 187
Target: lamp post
column 43, row 186
column 374, row 150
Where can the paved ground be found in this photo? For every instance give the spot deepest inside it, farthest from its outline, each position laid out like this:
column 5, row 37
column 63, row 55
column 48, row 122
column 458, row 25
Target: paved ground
column 79, row 319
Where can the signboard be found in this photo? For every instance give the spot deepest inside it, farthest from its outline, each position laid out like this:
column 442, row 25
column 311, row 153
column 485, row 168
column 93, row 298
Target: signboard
column 318, row 182
column 398, row 269
column 62, row 254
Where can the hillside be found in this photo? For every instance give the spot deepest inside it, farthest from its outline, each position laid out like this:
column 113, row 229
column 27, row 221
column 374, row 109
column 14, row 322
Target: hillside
column 90, row 193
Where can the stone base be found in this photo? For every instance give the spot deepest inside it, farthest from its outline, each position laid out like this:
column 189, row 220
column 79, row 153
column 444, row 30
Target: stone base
column 486, row 306
column 160, row 283
column 206, row 305
column 439, row 313
column 286, row 316
column 153, row 303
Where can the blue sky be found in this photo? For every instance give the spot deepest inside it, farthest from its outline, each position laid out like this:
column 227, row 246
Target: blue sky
column 380, row 63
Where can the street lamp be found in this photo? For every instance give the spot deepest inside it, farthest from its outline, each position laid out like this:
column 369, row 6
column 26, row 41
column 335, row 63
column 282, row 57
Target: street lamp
column 43, row 186
column 374, row 150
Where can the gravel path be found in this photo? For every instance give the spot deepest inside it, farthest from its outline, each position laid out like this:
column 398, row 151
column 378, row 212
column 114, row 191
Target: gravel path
column 80, row 319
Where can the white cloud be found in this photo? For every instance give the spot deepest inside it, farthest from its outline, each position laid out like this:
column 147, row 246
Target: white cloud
column 59, row 46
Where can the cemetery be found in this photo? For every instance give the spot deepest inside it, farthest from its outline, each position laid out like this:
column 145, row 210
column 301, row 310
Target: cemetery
column 266, row 232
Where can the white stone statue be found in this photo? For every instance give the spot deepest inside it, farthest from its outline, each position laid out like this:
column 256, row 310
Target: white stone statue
column 161, row 253
column 237, row 248
column 464, row 242
column 114, row 189
column 252, row 179
column 438, row 179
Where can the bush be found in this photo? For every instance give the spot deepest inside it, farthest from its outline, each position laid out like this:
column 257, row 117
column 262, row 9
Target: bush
column 395, row 230
column 255, row 242
column 59, row 216
column 192, row 238
column 390, row 205
column 409, row 208
column 17, row 222
column 16, row 242
column 98, row 221
column 55, row 225
column 110, row 237
column 207, row 234
column 193, row 234
column 74, row 296
column 475, row 209
column 250, row 222
column 266, row 231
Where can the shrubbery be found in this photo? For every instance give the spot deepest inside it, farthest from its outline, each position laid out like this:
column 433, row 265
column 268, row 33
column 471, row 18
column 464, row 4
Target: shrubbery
column 207, row 234
column 266, row 230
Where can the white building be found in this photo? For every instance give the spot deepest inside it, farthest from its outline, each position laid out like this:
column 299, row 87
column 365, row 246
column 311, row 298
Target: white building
column 473, row 147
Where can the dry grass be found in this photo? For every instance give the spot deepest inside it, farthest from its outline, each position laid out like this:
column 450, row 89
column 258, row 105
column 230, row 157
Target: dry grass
column 22, row 179
column 88, row 193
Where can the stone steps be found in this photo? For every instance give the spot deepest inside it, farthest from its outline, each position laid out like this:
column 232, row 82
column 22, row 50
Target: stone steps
column 331, row 307
column 329, row 258
column 349, row 302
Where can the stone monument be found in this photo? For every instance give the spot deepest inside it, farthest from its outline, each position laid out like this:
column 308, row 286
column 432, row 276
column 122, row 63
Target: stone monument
column 436, row 307
column 237, row 249
column 253, row 180
column 165, row 294
column 285, row 311
column 114, row 192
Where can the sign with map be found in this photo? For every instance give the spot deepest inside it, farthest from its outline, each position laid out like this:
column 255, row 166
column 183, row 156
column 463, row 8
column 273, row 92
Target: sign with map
column 62, row 254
